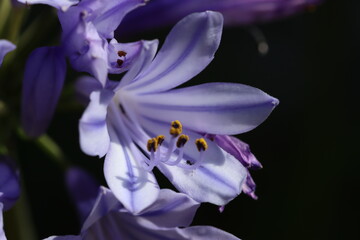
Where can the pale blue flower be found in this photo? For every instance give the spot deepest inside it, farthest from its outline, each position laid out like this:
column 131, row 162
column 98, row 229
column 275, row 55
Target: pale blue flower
column 121, row 118
column 59, row 4
column 111, row 221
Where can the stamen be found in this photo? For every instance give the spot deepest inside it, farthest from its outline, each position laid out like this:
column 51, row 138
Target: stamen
column 119, row 62
column 152, row 145
column 121, row 53
column 201, row 144
column 160, row 139
column 176, row 128
column 182, row 140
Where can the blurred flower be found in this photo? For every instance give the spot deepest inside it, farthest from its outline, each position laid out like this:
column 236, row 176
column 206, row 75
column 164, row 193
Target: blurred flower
column 160, row 13
column 9, row 189
column 111, row 221
column 121, row 118
column 5, row 47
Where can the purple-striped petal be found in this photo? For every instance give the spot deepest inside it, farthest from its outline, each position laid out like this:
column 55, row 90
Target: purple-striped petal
column 59, row 4
column 145, row 56
column 2, row 233
column 216, row 108
column 83, row 189
column 168, row 205
column 219, row 178
column 43, row 81
column 9, row 183
column 5, row 47
column 135, row 188
column 239, row 149
column 109, row 14
column 94, row 136
column 183, row 55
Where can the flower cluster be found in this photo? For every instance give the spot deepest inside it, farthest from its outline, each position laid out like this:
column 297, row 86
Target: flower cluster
column 147, row 120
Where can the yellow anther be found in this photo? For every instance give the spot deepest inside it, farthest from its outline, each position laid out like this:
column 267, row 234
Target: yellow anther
column 160, row 139
column 201, row 144
column 182, row 140
column 176, row 128
column 152, row 145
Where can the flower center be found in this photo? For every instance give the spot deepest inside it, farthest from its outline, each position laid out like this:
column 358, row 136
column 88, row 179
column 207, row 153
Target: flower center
column 159, row 154
column 122, row 55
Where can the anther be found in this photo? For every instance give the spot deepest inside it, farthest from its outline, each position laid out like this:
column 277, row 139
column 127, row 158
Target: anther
column 176, row 128
column 160, row 139
column 201, row 144
column 121, row 53
column 182, row 140
column 152, row 145
column 119, row 62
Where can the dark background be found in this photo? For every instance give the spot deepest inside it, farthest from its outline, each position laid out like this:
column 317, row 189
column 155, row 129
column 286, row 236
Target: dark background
column 309, row 146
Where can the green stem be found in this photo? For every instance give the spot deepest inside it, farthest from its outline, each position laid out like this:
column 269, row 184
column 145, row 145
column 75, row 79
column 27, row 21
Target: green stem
column 4, row 13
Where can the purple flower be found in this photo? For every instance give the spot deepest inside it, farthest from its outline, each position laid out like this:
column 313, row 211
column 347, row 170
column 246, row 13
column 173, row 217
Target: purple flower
column 111, row 221
column 43, row 81
column 121, row 118
column 160, row 13
column 5, row 47
column 86, row 28
column 9, row 189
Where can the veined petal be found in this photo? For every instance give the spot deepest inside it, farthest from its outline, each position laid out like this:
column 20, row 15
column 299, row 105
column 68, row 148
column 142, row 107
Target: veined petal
column 43, row 81
column 5, row 47
column 59, row 4
column 171, row 209
column 111, row 12
column 94, row 136
column 131, row 52
column 183, row 55
column 9, row 183
column 143, row 60
column 217, row 180
column 216, row 108
column 2, row 233
column 135, row 188
column 206, row 233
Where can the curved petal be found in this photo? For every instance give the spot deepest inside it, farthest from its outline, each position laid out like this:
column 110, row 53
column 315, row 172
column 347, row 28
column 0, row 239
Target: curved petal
column 83, row 197
column 135, row 188
column 216, row 108
column 183, row 55
column 217, row 180
column 206, row 233
column 131, row 52
column 59, row 4
column 43, row 81
column 94, row 136
column 5, row 47
column 111, row 12
column 171, row 209
column 239, row 149
column 2, row 233
column 9, row 183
